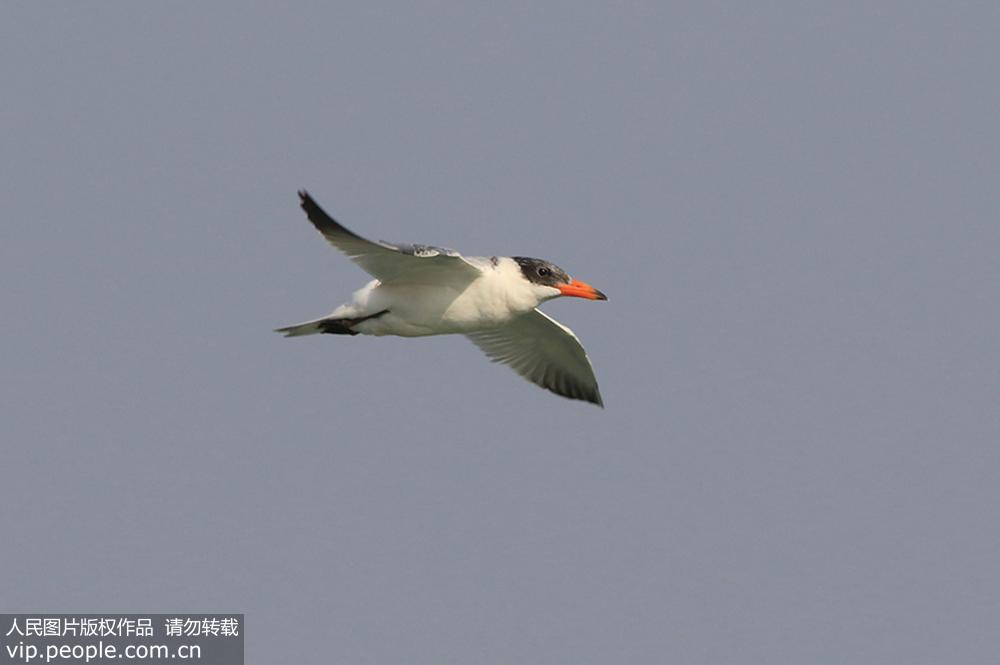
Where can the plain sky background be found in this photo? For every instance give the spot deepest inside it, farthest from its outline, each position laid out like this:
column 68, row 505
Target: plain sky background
column 791, row 205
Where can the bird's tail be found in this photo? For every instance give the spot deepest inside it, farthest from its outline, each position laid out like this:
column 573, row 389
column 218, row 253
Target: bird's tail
column 324, row 325
column 331, row 325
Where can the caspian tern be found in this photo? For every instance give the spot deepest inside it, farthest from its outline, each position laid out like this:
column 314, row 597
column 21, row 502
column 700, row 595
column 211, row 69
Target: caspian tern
column 423, row 290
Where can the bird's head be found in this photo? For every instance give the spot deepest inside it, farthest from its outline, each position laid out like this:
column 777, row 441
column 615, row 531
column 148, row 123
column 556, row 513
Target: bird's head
column 548, row 281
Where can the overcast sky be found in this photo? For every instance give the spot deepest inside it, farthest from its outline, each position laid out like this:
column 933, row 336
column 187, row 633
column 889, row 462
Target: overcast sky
column 792, row 207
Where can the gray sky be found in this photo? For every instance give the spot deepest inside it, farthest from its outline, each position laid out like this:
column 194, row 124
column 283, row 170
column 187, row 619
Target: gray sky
column 793, row 210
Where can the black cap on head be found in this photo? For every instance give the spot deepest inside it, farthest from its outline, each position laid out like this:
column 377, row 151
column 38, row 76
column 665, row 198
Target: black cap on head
column 538, row 271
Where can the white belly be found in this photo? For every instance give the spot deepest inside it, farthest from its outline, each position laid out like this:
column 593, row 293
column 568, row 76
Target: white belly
column 415, row 310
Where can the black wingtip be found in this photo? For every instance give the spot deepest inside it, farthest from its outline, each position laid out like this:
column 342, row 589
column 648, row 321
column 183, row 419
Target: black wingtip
column 314, row 212
column 588, row 397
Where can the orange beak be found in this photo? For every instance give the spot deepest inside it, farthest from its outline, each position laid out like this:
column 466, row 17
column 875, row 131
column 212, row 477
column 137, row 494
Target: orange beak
column 579, row 289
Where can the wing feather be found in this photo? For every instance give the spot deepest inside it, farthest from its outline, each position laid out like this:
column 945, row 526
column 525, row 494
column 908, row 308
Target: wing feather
column 385, row 261
column 543, row 351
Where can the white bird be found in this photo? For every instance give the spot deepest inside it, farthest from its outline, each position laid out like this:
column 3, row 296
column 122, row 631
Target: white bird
column 422, row 290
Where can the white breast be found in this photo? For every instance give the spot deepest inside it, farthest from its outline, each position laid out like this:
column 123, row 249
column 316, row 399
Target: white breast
column 497, row 296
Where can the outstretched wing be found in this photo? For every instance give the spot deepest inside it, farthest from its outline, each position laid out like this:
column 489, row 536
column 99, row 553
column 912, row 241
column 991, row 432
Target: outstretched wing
column 543, row 351
column 387, row 262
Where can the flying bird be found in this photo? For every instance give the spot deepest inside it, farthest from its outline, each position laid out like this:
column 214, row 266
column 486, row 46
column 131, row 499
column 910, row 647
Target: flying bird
column 424, row 290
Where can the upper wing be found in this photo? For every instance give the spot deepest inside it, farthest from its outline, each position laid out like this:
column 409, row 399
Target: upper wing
column 387, row 262
column 543, row 351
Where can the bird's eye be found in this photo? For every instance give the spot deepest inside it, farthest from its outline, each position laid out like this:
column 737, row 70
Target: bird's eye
column 544, row 272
